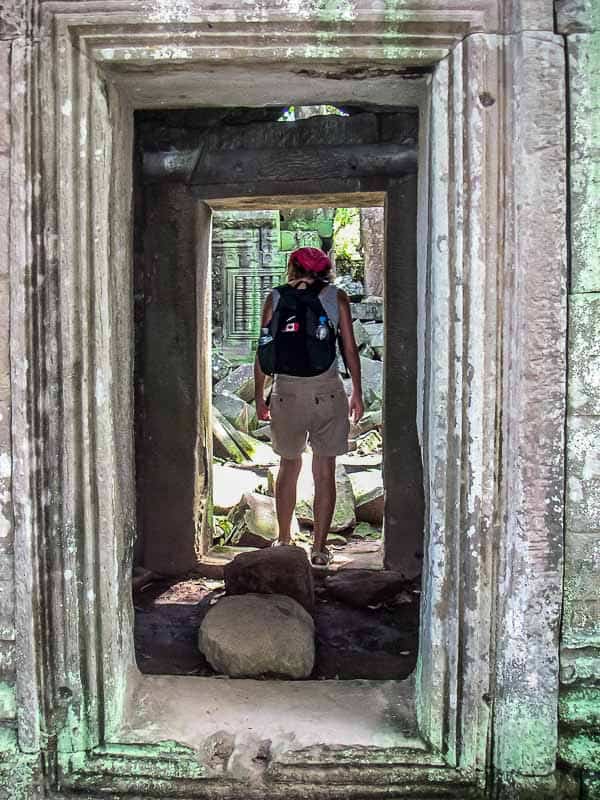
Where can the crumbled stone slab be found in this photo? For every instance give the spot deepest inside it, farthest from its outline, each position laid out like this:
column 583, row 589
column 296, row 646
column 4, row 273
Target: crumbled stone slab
column 221, row 367
column 255, row 634
column 278, row 570
column 372, row 380
column 254, row 521
column 230, row 484
column 344, row 516
column 224, row 444
column 360, row 333
column 240, row 381
column 367, row 311
column 365, row 587
column 368, row 496
column 230, row 442
column 371, row 421
column 239, row 413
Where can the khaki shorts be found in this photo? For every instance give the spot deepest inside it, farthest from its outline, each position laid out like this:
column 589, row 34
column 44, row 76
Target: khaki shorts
column 309, row 408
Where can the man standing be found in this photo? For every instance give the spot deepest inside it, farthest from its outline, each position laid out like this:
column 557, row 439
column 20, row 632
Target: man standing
column 301, row 322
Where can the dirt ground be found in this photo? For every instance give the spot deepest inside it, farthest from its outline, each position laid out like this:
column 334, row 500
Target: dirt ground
column 378, row 643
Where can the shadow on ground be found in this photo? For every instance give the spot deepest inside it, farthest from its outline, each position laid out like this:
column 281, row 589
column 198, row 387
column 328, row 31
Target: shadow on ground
column 378, row 642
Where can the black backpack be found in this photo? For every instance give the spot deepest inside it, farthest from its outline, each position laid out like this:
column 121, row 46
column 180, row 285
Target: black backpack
column 292, row 346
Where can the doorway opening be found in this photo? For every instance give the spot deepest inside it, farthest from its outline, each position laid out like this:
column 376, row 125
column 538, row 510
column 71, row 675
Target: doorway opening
column 184, row 307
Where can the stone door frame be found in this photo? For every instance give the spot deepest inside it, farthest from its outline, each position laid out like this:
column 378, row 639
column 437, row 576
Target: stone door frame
column 493, row 283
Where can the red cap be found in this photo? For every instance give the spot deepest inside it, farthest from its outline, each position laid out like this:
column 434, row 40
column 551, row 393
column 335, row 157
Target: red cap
column 311, row 259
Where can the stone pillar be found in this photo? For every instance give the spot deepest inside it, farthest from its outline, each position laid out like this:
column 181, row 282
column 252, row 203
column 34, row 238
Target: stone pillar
column 7, row 633
column 533, row 317
column 580, row 635
column 373, row 247
column 402, row 462
column 166, row 443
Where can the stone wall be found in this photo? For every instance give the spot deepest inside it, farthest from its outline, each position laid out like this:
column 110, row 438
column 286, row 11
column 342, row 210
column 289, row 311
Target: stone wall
column 7, row 632
column 580, row 641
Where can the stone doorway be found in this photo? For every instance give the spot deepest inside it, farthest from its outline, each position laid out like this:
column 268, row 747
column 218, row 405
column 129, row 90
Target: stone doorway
column 367, row 158
column 178, row 516
column 492, row 366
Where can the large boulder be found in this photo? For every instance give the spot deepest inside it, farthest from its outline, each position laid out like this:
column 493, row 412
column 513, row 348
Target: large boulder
column 365, row 587
column 240, row 381
column 230, row 484
column 254, row 521
column 277, row 570
column 255, row 634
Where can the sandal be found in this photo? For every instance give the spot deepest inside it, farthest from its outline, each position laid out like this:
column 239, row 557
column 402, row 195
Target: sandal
column 320, row 558
column 277, row 543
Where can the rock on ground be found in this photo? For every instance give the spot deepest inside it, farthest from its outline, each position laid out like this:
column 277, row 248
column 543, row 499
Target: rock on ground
column 254, row 634
column 255, row 522
column 230, row 484
column 278, row 570
column 365, row 587
column 368, row 495
column 240, row 381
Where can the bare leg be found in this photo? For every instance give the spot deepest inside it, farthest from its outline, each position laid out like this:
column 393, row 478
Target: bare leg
column 285, row 495
column 324, row 476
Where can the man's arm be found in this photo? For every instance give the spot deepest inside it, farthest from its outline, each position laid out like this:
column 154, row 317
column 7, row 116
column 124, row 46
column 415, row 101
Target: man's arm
column 262, row 409
column 351, row 355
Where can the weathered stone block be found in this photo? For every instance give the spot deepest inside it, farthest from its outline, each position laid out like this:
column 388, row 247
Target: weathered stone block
column 13, row 18
column 239, row 413
column 8, row 700
column 254, row 634
column 584, row 156
column 581, row 606
column 577, row 666
column 584, row 354
column 229, row 484
column 7, row 659
column 254, row 521
column 576, row 16
column 581, row 622
column 583, row 474
column 582, row 566
column 240, row 382
column 278, row 570
column 7, row 610
column 365, row 587
column 5, row 137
